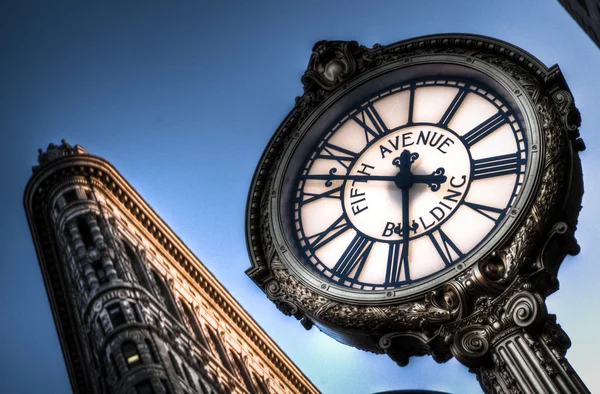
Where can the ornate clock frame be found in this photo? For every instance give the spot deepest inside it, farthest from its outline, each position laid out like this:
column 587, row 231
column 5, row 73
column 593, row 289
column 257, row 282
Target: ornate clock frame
column 490, row 315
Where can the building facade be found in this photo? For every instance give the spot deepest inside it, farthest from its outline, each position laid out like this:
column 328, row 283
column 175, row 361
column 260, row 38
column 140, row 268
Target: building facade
column 136, row 312
column 587, row 14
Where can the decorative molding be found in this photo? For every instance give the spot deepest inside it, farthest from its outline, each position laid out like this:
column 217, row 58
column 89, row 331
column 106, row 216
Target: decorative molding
column 54, row 152
column 332, row 63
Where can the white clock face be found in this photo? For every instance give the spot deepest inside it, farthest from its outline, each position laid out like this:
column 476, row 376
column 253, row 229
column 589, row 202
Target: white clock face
column 408, row 183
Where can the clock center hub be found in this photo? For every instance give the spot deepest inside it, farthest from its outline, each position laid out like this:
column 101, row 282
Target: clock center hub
column 403, row 180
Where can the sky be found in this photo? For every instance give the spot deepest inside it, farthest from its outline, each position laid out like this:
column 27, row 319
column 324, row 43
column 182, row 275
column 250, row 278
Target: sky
column 182, row 98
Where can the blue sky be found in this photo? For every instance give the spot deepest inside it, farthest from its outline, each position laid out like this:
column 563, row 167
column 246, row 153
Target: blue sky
column 183, row 99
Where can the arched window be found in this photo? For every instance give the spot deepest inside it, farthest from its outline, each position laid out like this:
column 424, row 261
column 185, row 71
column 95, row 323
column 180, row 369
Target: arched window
column 131, row 354
column 151, row 350
column 115, row 313
column 138, row 267
column 84, row 231
column 243, row 372
column 100, row 272
column 220, row 349
column 175, row 364
column 144, row 387
column 201, row 387
column 193, row 322
column 70, row 196
column 261, row 384
column 166, row 295
column 188, row 376
column 165, row 386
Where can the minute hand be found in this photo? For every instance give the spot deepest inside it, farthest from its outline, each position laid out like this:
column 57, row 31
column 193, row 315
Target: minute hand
column 327, row 177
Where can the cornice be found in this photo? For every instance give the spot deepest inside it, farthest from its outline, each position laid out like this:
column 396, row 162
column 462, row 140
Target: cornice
column 475, row 42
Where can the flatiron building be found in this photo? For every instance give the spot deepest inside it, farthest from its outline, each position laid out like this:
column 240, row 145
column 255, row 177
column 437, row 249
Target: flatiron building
column 136, row 312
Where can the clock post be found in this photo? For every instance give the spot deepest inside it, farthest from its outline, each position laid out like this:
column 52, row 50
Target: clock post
column 419, row 200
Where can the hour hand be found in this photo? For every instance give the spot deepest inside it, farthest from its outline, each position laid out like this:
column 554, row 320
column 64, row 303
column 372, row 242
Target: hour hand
column 347, row 177
column 433, row 181
column 405, row 160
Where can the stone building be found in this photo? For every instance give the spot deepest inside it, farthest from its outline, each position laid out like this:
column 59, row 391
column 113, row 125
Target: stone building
column 136, row 312
column 587, row 15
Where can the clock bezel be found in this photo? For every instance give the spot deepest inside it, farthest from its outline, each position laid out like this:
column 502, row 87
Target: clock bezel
column 361, row 88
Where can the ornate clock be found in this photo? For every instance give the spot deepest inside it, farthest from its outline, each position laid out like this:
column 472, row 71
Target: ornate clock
column 414, row 191
column 384, row 196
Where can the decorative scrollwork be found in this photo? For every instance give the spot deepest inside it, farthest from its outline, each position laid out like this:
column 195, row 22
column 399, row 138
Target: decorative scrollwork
column 524, row 309
column 54, row 152
column 332, row 63
column 281, row 300
column 552, row 184
column 471, row 345
column 566, row 108
column 332, row 171
column 273, row 289
column 410, row 315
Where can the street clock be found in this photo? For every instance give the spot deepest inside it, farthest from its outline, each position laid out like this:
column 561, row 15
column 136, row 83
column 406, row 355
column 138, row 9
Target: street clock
column 414, row 191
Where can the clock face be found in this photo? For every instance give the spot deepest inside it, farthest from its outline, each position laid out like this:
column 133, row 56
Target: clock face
column 407, row 183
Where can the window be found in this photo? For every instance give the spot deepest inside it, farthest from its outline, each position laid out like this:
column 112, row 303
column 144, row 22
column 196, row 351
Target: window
column 220, row 350
column 175, row 364
column 187, row 374
column 165, row 386
column 243, row 373
column 151, row 350
column 192, row 322
column 144, row 387
column 100, row 273
column 116, row 315
column 84, row 232
column 136, row 313
column 201, row 387
column 70, row 196
column 131, row 354
column 262, row 385
column 138, row 267
column 166, row 295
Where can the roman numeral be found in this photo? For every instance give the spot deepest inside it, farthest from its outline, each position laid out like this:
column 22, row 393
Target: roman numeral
column 487, row 211
column 447, row 250
column 497, row 166
column 397, row 262
column 318, row 240
column 310, row 197
column 411, row 104
column 354, row 257
column 484, row 129
column 454, row 106
column 371, row 123
column 333, row 152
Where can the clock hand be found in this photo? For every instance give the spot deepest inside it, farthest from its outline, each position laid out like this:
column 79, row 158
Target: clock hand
column 405, row 228
column 363, row 178
column 404, row 178
column 325, row 177
column 404, row 181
